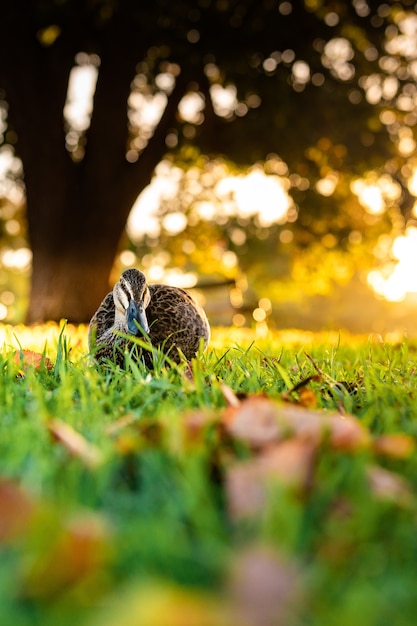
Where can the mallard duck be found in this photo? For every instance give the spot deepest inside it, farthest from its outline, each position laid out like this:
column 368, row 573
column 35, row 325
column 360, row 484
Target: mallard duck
column 168, row 316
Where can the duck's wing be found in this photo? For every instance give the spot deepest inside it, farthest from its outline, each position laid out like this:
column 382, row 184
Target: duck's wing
column 102, row 321
column 176, row 320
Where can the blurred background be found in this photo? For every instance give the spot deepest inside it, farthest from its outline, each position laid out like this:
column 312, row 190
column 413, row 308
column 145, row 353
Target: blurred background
column 285, row 191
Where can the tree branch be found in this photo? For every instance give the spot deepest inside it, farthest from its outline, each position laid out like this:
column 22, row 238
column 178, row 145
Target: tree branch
column 137, row 175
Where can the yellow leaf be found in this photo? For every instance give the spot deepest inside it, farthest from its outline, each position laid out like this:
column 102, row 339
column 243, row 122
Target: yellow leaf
column 395, row 445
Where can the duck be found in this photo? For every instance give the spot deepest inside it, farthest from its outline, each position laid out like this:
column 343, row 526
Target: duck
column 166, row 316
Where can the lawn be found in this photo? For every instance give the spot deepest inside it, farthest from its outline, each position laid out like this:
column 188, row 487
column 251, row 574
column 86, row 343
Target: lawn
column 273, row 482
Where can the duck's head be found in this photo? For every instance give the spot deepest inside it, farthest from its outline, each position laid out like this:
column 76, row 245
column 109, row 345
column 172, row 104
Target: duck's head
column 131, row 297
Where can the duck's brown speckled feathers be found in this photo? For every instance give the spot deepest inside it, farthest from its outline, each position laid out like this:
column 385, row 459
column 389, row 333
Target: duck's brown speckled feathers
column 171, row 318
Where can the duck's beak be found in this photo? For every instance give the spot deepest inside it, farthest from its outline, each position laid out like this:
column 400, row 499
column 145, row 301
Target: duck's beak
column 135, row 315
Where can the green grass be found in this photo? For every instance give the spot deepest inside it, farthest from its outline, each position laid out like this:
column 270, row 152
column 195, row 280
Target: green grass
column 133, row 525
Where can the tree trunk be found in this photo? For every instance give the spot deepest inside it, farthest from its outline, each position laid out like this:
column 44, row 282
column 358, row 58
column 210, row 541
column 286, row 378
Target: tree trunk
column 69, row 286
column 76, row 212
column 74, row 244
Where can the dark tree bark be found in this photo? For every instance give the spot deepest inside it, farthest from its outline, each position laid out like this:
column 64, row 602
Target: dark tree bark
column 76, row 211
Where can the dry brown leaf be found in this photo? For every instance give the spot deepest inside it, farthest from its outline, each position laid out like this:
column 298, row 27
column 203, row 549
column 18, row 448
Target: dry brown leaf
column 395, row 445
column 245, row 489
column 308, row 398
column 390, row 486
column 259, row 422
column 253, row 421
column 28, row 358
column 75, row 443
column 122, row 422
column 345, row 432
column 348, row 434
column 300, row 387
column 229, row 395
column 264, row 588
column 290, row 463
column 16, row 510
column 195, row 425
column 306, row 423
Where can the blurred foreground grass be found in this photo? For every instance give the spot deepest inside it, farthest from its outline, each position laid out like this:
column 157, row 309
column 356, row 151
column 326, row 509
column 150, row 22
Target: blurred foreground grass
column 273, row 483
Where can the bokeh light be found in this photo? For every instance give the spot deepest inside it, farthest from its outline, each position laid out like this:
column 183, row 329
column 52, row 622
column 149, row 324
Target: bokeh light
column 396, row 280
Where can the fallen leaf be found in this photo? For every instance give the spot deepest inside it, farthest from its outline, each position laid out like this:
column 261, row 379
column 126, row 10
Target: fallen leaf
column 395, row 445
column 253, row 421
column 290, row 462
column 79, row 550
column 16, row 510
column 344, row 432
column 300, row 387
column 264, row 587
column 28, row 358
column 259, row 421
column 387, row 485
column 164, row 604
column 308, row 398
column 75, row 443
column 348, row 434
column 121, row 423
column 245, row 489
column 229, row 395
column 195, row 425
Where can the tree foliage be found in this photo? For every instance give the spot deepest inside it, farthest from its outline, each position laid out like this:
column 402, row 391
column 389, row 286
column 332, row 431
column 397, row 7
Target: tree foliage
column 296, row 81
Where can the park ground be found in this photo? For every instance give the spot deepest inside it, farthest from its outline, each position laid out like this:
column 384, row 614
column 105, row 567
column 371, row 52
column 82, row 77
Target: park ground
column 271, row 482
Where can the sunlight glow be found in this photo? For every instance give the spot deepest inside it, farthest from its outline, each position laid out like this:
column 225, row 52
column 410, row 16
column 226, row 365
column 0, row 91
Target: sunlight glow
column 127, row 258
column 157, row 273
column 191, row 106
column 144, row 217
column 174, row 223
column 336, row 56
column 326, row 186
column 146, row 110
column 19, row 259
column 6, row 156
column 79, row 104
column 224, row 99
column 396, row 281
column 376, row 193
column 370, row 197
column 412, row 183
column 258, row 194
column 404, row 43
column 406, row 144
column 176, row 278
column 301, row 72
